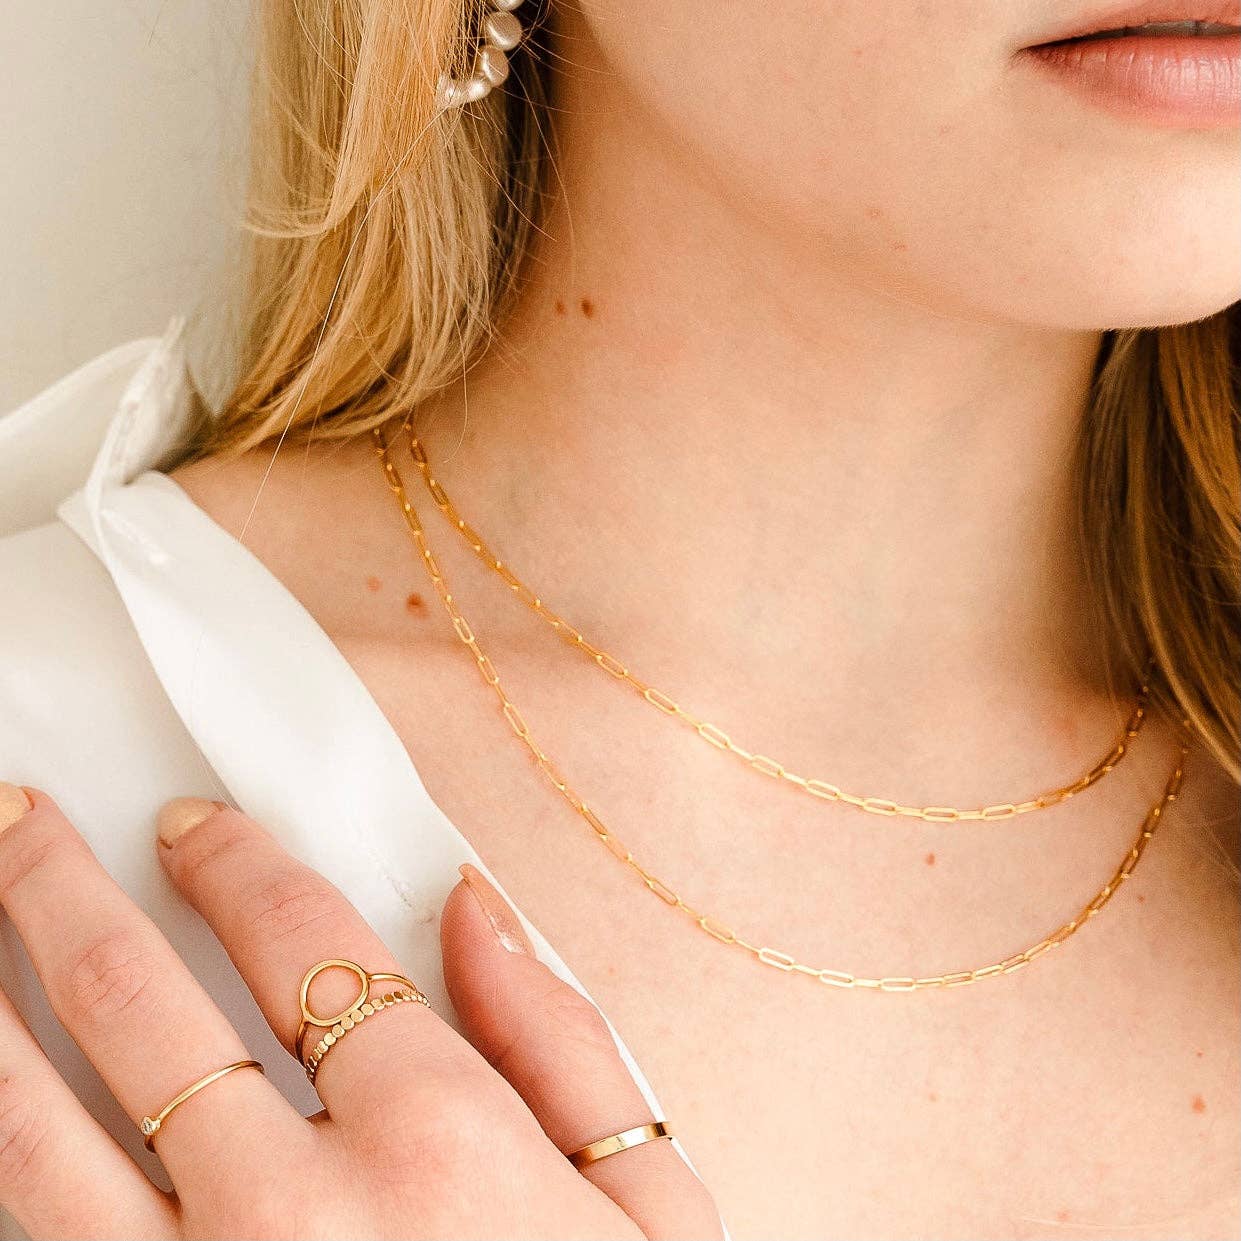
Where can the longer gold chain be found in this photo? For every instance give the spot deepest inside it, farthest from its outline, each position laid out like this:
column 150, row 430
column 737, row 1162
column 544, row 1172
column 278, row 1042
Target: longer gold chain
column 717, row 737
column 718, row 930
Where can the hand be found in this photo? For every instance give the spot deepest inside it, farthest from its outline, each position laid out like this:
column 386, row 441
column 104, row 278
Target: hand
column 425, row 1134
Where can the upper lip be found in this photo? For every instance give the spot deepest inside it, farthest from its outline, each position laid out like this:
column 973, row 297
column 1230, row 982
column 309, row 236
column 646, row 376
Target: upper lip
column 1116, row 17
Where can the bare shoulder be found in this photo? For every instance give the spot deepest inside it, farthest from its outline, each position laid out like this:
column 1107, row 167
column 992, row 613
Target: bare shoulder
column 225, row 487
column 266, row 488
column 318, row 516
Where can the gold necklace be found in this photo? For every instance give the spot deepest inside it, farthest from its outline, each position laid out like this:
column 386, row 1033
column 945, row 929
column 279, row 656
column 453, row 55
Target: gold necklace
column 705, row 922
column 722, row 741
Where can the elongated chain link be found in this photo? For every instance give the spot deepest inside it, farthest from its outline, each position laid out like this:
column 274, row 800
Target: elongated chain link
column 717, row 737
column 716, row 929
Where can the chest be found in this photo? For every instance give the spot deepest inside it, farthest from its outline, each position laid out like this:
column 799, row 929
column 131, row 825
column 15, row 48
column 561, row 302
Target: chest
column 1092, row 1094
column 1096, row 1095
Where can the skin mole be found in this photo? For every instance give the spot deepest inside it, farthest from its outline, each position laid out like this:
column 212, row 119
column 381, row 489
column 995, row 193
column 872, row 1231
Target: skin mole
column 588, row 308
column 414, row 603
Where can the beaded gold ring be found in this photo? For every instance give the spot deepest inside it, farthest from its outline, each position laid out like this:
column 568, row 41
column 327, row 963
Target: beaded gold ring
column 364, row 1005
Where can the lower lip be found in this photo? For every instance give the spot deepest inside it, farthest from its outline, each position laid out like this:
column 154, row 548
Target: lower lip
column 1176, row 81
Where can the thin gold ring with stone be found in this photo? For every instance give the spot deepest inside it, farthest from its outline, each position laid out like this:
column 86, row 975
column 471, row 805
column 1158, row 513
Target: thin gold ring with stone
column 149, row 1126
column 364, row 1005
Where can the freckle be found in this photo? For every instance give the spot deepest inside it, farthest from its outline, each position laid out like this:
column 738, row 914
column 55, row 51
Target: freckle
column 373, row 583
column 858, row 51
column 560, row 308
column 1141, row 898
column 874, row 213
column 933, row 1097
column 930, row 859
column 415, row 604
column 1199, row 1054
column 899, row 245
column 1199, row 1104
column 588, row 308
column 945, row 128
column 1062, row 1217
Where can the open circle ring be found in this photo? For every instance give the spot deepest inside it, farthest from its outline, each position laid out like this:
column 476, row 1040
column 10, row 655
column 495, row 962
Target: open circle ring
column 364, row 1005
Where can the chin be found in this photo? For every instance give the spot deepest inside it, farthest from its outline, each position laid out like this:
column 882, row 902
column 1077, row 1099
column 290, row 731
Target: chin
column 1117, row 310
column 1132, row 277
column 1166, row 317
column 1158, row 292
column 1158, row 287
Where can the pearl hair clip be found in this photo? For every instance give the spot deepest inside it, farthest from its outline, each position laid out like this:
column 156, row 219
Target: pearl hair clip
column 501, row 33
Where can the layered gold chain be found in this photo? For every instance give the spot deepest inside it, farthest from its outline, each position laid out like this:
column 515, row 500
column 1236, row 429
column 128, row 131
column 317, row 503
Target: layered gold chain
column 718, row 930
column 822, row 789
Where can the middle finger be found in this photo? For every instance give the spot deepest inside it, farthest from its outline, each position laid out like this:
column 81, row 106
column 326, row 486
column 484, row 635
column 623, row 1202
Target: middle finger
column 276, row 919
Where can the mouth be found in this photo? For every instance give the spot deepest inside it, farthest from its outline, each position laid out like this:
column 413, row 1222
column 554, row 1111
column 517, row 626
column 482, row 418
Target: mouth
column 1155, row 30
column 1167, row 69
column 1148, row 19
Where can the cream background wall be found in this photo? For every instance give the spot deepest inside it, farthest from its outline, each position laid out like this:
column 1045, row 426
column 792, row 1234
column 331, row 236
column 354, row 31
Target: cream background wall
column 121, row 158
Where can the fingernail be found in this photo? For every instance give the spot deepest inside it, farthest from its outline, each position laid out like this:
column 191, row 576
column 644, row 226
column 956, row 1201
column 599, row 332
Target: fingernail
column 181, row 814
column 15, row 804
column 503, row 921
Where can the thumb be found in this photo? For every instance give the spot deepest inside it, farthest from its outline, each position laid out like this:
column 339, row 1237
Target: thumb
column 558, row 1053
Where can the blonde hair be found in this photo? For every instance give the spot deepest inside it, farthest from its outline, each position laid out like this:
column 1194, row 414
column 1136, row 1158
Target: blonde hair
column 387, row 241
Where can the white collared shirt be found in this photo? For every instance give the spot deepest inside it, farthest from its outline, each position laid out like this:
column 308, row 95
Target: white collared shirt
column 146, row 654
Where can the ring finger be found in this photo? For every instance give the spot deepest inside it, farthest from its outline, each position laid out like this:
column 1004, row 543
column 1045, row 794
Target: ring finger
column 61, row 1174
column 127, row 999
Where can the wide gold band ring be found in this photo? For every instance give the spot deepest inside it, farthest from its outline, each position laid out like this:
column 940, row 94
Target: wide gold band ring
column 619, row 1142
column 339, row 1024
column 149, row 1126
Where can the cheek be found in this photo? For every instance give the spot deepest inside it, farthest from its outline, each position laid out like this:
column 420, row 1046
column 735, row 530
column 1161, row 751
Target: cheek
column 903, row 145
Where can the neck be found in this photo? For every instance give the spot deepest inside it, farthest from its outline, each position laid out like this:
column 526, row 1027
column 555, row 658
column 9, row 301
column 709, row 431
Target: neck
column 694, row 412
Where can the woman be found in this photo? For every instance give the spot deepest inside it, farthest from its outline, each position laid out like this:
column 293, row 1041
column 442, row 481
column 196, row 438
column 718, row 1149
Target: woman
column 854, row 384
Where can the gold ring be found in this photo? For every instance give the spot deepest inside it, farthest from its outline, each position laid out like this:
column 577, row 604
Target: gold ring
column 149, row 1126
column 619, row 1142
column 363, row 1006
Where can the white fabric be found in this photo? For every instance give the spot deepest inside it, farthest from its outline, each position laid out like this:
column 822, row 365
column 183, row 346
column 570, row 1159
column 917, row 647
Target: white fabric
column 146, row 654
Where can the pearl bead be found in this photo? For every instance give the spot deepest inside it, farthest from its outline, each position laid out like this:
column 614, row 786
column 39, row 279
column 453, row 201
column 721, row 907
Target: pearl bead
column 503, row 30
column 492, row 64
column 501, row 33
column 454, row 91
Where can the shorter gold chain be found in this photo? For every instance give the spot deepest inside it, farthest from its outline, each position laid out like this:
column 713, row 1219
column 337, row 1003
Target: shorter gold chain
column 717, row 737
column 718, row 930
